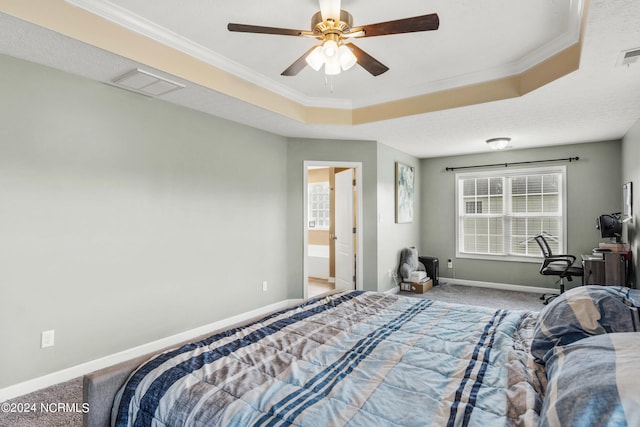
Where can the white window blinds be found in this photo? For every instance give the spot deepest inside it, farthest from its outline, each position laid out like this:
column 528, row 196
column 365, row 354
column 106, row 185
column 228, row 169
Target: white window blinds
column 498, row 213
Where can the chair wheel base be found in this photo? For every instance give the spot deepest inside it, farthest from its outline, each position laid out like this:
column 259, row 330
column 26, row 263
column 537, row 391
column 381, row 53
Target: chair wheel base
column 547, row 298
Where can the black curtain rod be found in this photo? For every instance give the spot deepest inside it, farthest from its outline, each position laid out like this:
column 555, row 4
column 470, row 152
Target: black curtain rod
column 506, row 165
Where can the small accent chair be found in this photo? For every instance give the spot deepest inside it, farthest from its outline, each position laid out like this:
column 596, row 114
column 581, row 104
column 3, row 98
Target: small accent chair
column 556, row 265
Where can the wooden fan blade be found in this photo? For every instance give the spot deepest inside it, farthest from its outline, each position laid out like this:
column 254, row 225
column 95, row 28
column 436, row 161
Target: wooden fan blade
column 400, row 26
column 298, row 65
column 367, row 61
column 244, row 28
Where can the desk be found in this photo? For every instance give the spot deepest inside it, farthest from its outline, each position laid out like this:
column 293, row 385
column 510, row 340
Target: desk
column 608, row 269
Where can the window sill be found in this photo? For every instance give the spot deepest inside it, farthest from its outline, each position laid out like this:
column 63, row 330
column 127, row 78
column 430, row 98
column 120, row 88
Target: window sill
column 507, row 258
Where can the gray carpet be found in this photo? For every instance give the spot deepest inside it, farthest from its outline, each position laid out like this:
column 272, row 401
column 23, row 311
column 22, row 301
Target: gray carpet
column 447, row 291
column 71, row 391
column 56, row 406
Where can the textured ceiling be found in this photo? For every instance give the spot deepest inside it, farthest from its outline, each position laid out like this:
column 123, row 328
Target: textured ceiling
column 475, row 42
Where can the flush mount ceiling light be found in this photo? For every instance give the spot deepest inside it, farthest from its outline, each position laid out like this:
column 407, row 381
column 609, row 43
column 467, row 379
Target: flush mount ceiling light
column 498, row 143
column 333, row 27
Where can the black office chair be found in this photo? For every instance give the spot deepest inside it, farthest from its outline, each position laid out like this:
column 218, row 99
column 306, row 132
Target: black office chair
column 556, row 265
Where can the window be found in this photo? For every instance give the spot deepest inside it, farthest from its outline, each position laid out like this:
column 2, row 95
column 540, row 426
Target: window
column 319, row 217
column 499, row 213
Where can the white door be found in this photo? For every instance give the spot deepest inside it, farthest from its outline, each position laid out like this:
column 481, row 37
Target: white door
column 344, row 259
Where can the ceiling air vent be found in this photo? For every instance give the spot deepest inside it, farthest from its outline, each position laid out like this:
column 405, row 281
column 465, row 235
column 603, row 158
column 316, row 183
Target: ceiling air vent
column 628, row 57
column 146, row 83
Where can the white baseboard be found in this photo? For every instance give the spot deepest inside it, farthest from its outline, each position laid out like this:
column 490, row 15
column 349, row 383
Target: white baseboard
column 394, row 290
column 501, row 286
column 67, row 374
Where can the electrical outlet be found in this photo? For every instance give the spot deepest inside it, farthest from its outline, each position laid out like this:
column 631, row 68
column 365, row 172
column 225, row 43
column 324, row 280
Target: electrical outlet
column 47, row 338
column 449, row 263
column 264, row 286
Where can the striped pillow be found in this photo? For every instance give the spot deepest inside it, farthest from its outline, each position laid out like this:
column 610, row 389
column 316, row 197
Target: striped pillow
column 593, row 382
column 583, row 312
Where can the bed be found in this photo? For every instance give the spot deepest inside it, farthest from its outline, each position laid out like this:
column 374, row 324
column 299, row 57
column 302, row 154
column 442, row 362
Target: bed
column 369, row 359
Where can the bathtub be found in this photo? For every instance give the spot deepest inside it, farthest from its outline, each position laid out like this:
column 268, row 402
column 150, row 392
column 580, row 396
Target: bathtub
column 318, row 261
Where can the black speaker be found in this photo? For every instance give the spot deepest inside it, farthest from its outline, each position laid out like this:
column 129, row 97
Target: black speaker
column 431, row 265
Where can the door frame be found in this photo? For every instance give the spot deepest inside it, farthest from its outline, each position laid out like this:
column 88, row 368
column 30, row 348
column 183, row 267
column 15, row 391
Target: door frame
column 357, row 166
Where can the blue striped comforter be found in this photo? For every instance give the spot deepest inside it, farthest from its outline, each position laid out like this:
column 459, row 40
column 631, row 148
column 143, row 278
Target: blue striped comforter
column 355, row 358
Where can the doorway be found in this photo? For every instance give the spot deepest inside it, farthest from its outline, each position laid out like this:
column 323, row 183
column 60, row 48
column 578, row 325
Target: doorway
column 332, row 242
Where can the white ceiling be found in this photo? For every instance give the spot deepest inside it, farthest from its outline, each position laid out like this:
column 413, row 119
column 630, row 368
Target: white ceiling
column 476, row 41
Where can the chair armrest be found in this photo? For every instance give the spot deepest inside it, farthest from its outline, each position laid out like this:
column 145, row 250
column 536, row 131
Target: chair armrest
column 567, row 259
column 567, row 256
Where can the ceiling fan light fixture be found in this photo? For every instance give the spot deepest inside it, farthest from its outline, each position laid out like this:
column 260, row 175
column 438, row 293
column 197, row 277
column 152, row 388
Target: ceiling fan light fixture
column 332, row 66
column 315, row 59
column 329, row 49
column 346, row 58
column 498, row 143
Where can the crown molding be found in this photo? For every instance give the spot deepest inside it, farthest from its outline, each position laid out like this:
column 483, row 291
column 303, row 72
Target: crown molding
column 138, row 24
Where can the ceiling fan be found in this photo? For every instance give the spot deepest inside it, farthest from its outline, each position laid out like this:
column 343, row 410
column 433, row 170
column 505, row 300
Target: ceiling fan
column 334, row 27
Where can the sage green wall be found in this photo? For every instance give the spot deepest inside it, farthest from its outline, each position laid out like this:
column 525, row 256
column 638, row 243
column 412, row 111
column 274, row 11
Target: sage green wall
column 631, row 173
column 125, row 219
column 593, row 188
column 394, row 237
column 301, row 150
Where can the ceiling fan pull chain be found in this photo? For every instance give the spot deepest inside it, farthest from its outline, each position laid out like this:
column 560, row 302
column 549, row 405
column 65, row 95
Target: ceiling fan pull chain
column 328, row 81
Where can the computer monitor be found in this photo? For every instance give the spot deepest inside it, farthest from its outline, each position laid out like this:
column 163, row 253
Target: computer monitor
column 610, row 226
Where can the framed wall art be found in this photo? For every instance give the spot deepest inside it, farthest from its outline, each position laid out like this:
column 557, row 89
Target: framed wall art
column 405, row 193
column 627, row 201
